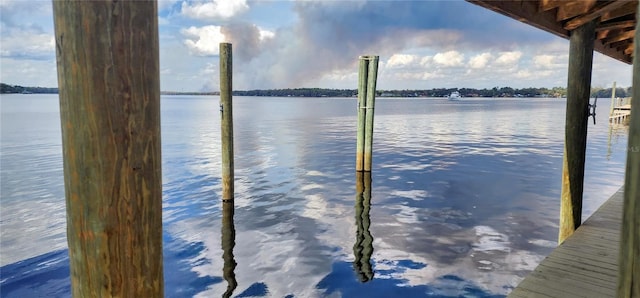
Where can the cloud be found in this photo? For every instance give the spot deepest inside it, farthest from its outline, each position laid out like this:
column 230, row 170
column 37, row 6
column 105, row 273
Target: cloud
column 548, row 62
column 27, row 43
column 509, row 58
column 216, row 9
column 480, row 61
column 203, row 41
column 401, row 60
column 449, row 59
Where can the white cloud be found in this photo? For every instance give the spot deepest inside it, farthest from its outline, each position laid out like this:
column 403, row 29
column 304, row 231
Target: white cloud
column 449, row 59
column 401, row 60
column 266, row 34
column 27, row 43
column 480, row 61
column 426, row 61
column 547, row 62
column 203, row 41
column 509, row 58
column 216, row 9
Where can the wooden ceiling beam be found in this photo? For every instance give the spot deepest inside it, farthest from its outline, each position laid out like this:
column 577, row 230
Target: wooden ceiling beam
column 615, row 25
column 570, row 9
column 629, row 8
column 594, row 13
column 620, row 37
column 550, row 4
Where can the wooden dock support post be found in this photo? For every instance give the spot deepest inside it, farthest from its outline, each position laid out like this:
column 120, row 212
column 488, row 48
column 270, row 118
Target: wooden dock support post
column 368, row 73
column 226, row 119
column 362, row 105
column 578, row 91
column 228, row 243
column 363, row 248
column 629, row 261
column 109, row 88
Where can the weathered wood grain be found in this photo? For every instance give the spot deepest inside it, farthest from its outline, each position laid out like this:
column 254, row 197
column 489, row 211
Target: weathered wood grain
column 109, row 88
column 226, row 120
column 575, row 144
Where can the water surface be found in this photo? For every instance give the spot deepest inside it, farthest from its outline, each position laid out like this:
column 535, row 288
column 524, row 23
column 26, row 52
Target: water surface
column 463, row 197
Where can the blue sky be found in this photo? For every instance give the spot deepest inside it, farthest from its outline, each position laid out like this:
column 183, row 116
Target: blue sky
column 290, row 44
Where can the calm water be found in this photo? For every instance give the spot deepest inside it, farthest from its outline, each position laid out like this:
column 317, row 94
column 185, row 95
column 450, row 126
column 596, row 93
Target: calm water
column 463, row 198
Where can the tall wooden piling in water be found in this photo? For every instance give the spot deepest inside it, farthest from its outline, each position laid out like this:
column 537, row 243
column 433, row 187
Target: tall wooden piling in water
column 629, row 261
column 362, row 105
column 368, row 73
column 226, row 119
column 581, row 46
column 370, row 108
column 613, row 99
column 109, row 89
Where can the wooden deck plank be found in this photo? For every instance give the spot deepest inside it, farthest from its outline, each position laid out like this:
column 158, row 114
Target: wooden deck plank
column 586, row 264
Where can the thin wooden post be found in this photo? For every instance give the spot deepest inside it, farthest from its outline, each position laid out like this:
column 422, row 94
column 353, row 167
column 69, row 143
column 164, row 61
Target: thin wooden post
column 228, row 243
column 362, row 103
column 578, row 90
column 629, row 261
column 613, row 99
column 363, row 248
column 109, row 89
column 226, row 119
column 370, row 107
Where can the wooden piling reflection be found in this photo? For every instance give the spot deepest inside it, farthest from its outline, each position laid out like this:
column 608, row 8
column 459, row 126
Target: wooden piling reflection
column 363, row 248
column 228, row 243
column 109, row 88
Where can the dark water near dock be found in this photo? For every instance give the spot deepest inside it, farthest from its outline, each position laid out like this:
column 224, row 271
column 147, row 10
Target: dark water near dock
column 464, row 196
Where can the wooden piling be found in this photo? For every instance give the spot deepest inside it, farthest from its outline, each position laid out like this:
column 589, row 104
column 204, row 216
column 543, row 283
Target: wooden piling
column 362, row 103
column 629, row 261
column 109, row 89
column 363, row 248
column 613, row 99
column 370, row 107
column 226, row 119
column 228, row 243
column 575, row 144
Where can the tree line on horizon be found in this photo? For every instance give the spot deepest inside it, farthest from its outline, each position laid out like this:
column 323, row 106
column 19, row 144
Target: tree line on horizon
column 325, row 92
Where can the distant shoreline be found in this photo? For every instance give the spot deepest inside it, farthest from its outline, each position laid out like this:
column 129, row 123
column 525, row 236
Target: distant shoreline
column 554, row 92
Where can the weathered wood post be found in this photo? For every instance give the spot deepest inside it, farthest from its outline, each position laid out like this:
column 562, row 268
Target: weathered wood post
column 226, row 119
column 109, row 89
column 629, row 261
column 362, row 105
column 613, row 99
column 578, row 90
column 370, row 107
column 228, row 243
column 363, row 248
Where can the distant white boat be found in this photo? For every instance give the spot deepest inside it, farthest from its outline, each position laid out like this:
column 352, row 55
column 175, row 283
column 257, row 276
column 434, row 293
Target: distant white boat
column 455, row 95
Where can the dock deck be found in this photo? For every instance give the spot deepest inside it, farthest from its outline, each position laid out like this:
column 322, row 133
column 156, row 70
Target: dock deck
column 586, row 264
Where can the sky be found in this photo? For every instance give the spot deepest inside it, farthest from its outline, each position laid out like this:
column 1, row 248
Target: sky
column 422, row 44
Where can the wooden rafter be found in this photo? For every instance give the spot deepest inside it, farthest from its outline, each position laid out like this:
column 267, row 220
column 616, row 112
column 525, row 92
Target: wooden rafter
column 595, row 12
column 620, row 37
column 627, row 9
column 550, row 4
column 570, row 9
column 616, row 25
